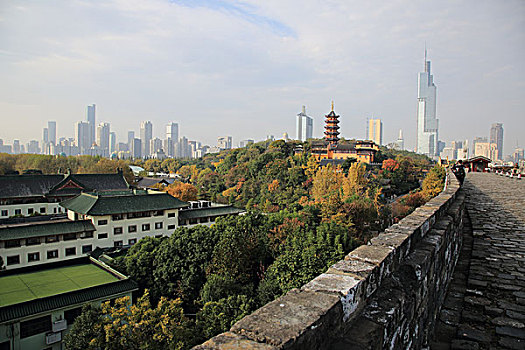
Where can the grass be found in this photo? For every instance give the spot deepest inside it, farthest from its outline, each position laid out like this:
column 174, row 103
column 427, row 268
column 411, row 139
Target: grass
column 39, row 284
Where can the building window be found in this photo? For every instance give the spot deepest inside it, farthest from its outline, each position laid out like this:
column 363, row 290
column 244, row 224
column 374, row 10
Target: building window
column 171, row 227
column 182, row 222
column 193, row 221
column 30, row 211
column 102, row 235
column 33, row 241
column 102, row 222
column 171, row 215
column 132, row 241
column 52, row 254
column 158, row 213
column 117, row 217
column 71, row 251
column 85, row 235
column 145, row 227
column 70, row 236
column 13, row 260
column 54, row 210
column 158, row 225
column 5, row 213
column 33, row 257
column 71, row 315
column 51, row 239
column 86, row 249
column 132, row 228
column 118, row 230
column 117, row 244
column 42, row 210
column 18, row 211
column 12, row 243
column 35, row 326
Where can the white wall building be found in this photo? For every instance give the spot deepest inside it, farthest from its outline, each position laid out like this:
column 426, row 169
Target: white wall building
column 304, row 126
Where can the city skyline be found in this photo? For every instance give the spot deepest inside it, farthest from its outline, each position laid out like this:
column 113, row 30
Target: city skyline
column 247, row 67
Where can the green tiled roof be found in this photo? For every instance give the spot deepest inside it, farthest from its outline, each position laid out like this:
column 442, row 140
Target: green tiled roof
column 46, row 228
column 87, row 282
column 208, row 212
column 97, row 204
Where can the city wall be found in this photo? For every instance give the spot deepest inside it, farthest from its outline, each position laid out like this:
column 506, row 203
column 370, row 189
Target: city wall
column 384, row 295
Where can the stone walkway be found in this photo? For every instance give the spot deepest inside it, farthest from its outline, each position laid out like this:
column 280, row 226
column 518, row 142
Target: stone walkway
column 485, row 304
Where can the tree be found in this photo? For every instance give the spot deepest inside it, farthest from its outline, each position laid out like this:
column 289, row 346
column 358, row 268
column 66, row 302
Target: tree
column 87, row 331
column 326, row 190
column 355, row 182
column 180, row 263
column 433, row 182
column 140, row 261
column 182, row 191
column 218, row 316
column 139, row 326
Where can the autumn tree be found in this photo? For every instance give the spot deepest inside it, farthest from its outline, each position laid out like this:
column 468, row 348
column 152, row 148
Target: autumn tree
column 182, row 191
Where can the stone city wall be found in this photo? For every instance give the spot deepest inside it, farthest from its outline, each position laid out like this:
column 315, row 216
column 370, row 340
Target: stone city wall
column 384, row 295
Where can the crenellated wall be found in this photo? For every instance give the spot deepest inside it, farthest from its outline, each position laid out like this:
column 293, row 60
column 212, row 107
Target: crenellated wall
column 384, row 295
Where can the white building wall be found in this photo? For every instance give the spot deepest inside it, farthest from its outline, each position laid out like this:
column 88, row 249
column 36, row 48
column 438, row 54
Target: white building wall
column 8, row 210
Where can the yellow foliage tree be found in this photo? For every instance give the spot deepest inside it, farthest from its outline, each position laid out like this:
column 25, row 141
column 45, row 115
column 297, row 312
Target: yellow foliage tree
column 182, row 191
column 355, row 182
column 326, row 189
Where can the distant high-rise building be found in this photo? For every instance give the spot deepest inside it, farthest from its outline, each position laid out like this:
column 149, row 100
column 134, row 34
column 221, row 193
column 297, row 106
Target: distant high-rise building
column 146, row 134
column 45, row 135
column 182, row 148
column 172, row 131
column 155, row 145
column 224, row 142
column 427, row 123
column 375, row 131
column 304, row 126
column 131, row 137
column 496, row 136
column 518, row 154
column 112, row 142
column 245, row 143
column 52, row 131
column 92, row 126
column 32, row 147
column 16, row 147
column 136, row 148
column 103, row 131
column 82, row 137
column 400, row 143
column 486, row 149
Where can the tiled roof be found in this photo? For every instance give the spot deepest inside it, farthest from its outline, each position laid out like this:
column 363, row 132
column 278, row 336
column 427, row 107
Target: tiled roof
column 15, row 186
column 36, row 306
column 46, row 228
column 97, row 204
column 147, row 182
column 208, row 212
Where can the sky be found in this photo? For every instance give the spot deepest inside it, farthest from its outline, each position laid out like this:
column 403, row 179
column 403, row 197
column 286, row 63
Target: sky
column 245, row 68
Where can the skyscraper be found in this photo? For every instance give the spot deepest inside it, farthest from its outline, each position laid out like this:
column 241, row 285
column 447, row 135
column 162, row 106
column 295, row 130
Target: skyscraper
column 112, row 142
column 103, row 131
column 52, row 132
column 91, row 120
column 496, row 136
column 400, row 143
column 82, row 136
column 375, row 130
column 304, row 126
column 427, row 123
column 224, row 142
column 146, row 133
column 172, row 137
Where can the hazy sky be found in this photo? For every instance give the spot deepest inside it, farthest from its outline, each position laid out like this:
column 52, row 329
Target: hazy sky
column 244, row 68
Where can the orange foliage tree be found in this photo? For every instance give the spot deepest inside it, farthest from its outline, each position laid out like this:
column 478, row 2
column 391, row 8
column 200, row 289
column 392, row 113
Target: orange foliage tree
column 182, row 191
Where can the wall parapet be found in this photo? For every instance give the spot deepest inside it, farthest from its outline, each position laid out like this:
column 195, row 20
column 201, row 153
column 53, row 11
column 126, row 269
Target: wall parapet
column 386, row 294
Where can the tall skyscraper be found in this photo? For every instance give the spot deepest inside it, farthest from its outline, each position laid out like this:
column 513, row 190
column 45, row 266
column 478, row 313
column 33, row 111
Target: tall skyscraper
column 304, row 126
column 16, row 146
column 112, row 142
column 82, row 136
column 52, row 131
column 496, row 136
column 146, row 133
column 91, row 120
column 375, row 130
column 427, row 123
column 45, row 135
column 136, row 148
column 172, row 138
column 103, row 131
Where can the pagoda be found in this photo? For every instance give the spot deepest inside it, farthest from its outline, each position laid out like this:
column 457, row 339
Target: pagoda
column 331, row 128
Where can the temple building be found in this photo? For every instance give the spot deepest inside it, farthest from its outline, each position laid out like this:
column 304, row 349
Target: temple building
column 331, row 150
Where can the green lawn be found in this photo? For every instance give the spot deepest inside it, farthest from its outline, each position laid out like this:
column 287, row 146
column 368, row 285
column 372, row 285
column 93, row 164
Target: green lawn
column 27, row 286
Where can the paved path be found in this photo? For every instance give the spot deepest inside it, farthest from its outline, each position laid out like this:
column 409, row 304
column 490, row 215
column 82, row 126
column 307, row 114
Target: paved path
column 485, row 304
